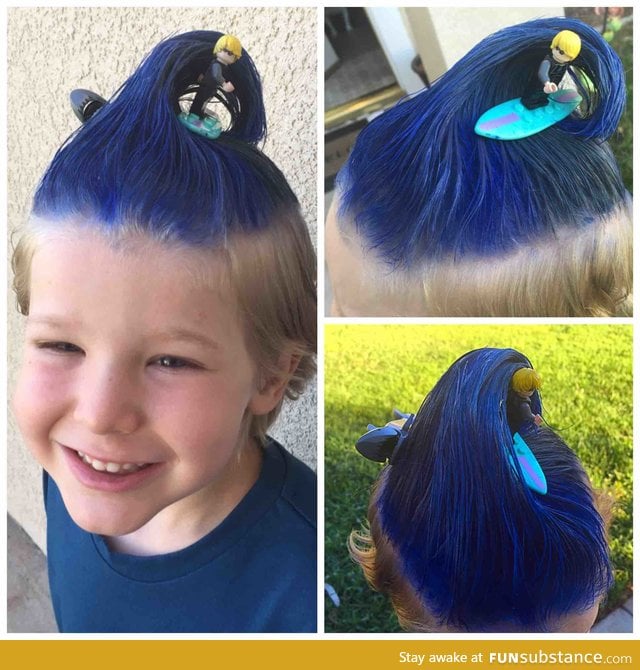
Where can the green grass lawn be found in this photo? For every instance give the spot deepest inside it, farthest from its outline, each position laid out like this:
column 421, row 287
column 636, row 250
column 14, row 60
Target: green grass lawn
column 622, row 141
column 369, row 370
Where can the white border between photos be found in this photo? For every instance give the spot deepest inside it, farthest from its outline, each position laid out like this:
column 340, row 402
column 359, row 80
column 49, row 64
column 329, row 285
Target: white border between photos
column 322, row 321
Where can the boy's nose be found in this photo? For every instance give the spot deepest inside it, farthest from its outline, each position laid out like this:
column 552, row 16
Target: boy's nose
column 108, row 402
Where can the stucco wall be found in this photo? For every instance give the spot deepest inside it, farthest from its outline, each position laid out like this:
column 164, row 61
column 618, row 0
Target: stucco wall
column 53, row 50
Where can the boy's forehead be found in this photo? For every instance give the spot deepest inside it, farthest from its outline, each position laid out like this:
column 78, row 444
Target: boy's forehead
column 143, row 288
column 85, row 273
column 130, row 250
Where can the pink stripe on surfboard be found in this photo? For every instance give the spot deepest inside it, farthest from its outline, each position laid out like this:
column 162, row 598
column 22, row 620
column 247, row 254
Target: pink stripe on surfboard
column 500, row 121
column 565, row 96
column 525, row 465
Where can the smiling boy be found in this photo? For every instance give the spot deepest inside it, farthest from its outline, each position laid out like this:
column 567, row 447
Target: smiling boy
column 162, row 334
column 95, row 398
column 136, row 397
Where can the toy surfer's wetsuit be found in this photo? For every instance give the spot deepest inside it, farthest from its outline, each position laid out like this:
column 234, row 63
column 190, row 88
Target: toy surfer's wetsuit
column 212, row 80
column 519, row 411
column 549, row 70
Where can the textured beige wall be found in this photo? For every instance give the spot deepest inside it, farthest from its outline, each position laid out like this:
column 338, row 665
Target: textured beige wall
column 53, row 50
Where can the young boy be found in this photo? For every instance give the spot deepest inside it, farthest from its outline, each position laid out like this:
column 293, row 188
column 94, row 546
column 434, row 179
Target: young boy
column 162, row 335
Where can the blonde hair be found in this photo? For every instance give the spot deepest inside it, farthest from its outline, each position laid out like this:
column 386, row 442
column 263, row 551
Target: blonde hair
column 569, row 42
column 372, row 550
column 526, row 380
column 587, row 272
column 228, row 43
column 272, row 274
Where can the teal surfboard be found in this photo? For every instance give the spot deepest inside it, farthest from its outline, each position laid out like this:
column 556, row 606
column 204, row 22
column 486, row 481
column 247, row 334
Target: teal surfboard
column 208, row 127
column 531, row 471
column 511, row 120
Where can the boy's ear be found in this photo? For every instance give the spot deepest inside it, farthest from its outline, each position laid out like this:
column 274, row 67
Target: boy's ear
column 271, row 390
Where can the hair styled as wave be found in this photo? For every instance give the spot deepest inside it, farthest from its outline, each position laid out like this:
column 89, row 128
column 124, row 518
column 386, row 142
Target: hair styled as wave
column 133, row 166
column 135, row 161
column 420, row 185
column 456, row 537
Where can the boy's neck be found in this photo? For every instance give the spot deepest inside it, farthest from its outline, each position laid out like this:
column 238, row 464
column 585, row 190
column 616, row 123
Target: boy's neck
column 190, row 519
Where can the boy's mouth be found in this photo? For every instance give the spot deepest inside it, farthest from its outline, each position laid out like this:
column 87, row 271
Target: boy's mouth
column 110, row 476
column 111, row 467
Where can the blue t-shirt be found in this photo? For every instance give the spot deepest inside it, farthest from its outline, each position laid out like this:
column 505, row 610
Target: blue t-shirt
column 255, row 572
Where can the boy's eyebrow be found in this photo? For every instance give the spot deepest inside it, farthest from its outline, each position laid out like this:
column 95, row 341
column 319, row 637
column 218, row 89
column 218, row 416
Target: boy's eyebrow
column 172, row 334
column 50, row 320
column 186, row 335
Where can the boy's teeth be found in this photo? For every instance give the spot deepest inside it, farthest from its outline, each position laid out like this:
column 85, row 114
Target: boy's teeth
column 113, row 468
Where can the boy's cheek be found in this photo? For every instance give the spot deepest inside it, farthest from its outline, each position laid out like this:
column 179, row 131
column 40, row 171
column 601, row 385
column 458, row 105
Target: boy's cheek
column 35, row 401
column 23, row 405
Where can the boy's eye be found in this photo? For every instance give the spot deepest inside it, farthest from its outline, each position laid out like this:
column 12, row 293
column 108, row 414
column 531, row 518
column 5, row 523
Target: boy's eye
column 60, row 347
column 174, row 363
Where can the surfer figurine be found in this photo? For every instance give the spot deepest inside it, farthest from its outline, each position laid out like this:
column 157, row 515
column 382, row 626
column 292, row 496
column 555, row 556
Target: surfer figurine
column 524, row 383
column 543, row 103
column 226, row 52
column 520, row 397
column 565, row 48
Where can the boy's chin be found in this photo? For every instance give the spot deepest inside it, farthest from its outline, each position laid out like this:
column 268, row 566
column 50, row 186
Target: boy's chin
column 107, row 527
column 104, row 519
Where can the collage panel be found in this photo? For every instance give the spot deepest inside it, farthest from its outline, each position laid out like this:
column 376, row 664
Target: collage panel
column 164, row 275
column 478, row 161
column 478, row 478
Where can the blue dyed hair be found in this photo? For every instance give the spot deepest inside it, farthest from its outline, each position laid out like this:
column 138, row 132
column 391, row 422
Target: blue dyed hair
column 420, row 184
column 134, row 166
column 479, row 549
column 134, row 161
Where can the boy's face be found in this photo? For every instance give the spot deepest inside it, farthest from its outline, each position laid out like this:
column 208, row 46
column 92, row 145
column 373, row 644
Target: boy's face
column 135, row 361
